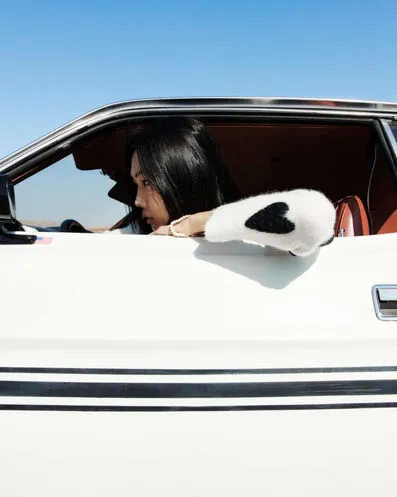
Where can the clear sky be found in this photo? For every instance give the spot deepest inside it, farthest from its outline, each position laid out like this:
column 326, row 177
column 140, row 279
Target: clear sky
column 59, row 60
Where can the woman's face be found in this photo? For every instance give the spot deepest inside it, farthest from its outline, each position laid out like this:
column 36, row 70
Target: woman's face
column 147, row 198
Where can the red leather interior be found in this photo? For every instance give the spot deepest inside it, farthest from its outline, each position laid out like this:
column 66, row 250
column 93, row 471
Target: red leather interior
column 351, row 217
column 390, row 224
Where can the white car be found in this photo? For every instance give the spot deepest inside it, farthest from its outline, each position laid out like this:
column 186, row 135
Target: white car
column 149, row 365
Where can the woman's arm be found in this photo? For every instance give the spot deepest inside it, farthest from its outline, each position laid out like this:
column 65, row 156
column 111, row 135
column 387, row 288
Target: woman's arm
column 296, row 221
column 195, row 224
column 192, row 225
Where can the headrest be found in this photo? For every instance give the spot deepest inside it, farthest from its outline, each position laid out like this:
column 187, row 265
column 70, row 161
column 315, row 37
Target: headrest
column 351, row 217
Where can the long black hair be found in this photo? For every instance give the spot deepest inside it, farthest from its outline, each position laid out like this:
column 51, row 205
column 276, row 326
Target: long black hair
column 182, row 162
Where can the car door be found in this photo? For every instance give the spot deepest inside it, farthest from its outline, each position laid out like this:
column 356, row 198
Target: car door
column 152, row 364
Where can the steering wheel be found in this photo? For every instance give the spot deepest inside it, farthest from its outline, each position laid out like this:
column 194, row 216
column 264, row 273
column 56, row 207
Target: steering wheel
column 72, row 226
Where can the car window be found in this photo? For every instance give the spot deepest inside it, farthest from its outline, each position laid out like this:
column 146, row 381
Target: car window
column 62, row 192
column 394, row 130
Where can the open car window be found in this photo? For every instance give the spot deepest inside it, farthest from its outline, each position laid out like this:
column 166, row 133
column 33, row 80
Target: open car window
column 341, row 159
column 62, row 192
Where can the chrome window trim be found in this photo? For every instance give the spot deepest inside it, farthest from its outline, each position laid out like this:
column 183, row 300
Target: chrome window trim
column 232, row 106
column 390, row 138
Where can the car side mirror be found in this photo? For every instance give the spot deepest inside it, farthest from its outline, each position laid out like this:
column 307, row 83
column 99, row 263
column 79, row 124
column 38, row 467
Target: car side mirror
column 7, row 201
column 8, row 220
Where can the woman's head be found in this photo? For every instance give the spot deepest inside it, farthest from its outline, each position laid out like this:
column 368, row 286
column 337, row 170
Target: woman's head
column 178, row 170
column 150, row 201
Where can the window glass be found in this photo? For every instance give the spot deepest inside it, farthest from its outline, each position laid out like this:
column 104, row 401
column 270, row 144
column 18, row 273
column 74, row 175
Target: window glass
column 61, row 192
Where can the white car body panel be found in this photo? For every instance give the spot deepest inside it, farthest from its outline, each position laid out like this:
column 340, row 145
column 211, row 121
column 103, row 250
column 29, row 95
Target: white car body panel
column 82, row 279
column 142, row 365
column 244, row 324
column 256, row 453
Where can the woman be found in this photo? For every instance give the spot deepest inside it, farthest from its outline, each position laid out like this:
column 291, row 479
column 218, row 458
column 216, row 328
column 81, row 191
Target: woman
column 178, row 171
column 184, row 189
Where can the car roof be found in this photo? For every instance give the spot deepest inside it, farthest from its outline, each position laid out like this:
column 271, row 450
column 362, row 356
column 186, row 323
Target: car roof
column 281, row 102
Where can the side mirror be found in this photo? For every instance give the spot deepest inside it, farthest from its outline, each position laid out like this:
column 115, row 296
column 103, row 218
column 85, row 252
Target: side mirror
column 7, row 201
column 8, row 221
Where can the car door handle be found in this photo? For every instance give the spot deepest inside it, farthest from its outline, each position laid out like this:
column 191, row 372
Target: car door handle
column 385, row 302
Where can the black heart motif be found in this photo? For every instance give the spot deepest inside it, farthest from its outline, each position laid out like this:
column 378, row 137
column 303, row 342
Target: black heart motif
column 271, row 219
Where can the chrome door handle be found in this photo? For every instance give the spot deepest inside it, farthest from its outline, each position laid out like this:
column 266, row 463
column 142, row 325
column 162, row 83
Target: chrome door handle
column 385, row 302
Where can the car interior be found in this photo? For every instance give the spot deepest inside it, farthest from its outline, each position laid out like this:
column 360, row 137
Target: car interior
column 347, row 161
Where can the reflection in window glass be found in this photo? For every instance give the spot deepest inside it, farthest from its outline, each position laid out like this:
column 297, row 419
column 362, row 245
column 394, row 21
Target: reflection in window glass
column 63, row 192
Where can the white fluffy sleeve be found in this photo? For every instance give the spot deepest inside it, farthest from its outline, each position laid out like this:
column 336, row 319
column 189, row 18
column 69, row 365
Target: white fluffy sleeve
column 298, row 221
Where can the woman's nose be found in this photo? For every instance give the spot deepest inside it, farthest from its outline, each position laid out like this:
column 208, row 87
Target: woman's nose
column 139, row 200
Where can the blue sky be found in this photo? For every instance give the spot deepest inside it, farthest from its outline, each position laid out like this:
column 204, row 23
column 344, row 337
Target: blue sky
column 61, row 59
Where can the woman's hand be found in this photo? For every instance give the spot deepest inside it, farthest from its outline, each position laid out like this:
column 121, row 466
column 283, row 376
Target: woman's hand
column 192, row 225
column 163, row 230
